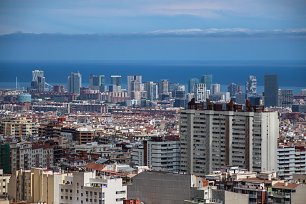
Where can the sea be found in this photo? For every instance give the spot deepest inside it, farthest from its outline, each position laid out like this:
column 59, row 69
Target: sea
column 291, row 74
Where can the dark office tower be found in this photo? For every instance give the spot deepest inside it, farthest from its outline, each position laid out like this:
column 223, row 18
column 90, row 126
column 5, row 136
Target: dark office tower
column 207, row 79
column 97, row 82
column 135, row 86
column 38, row 81
column 115, row 83
column 233, row 89
column 285, row 98
column 74, row 82
column 191, row 84
column 251, row 86
column 271, row 91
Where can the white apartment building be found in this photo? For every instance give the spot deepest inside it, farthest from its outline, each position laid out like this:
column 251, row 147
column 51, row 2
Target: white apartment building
column 158, row 154
column 291, row 160
column 200, row 92
column 25, row 155
column 212, row 139
column 86, row 187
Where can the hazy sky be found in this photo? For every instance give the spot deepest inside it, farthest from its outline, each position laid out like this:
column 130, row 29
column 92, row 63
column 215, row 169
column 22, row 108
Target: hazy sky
column 129, row 16
column 153, row 29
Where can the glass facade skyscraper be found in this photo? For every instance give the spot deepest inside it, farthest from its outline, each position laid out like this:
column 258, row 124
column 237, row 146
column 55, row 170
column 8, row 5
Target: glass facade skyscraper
column 271, row 90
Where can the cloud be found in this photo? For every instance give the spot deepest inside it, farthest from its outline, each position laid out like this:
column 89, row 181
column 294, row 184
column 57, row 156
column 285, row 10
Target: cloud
column 230, row 32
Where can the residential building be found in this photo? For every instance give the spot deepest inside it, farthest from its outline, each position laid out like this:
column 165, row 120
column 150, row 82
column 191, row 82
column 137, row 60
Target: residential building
column 200, row 92
column 271, row 91
column 285, row 97
column 134, row 87
column 215, row 88
column 86, row 187
column 251, row 86
column 4, row 180
column 160, row 154
column 284, row 192
column 151, row 88
column 291, row 159
column 18, row 127
column 25, row 155
column 35, row 186
column 220, row 135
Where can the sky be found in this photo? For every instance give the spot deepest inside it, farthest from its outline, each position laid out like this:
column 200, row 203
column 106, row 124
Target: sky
column 225, row 29
column 130, row 16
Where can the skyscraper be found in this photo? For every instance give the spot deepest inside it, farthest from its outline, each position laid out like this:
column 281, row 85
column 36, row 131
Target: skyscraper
column 200, row 92
column 271, row 91
column 164, row 87
column 207, row 79
column 215, row 88
column 191, row 84
column 152, row 90
column 38, row 81
column 251, row 86
column 134, row 86
column 97, row 82
column 233, row 89
column 74, row 82
column 115, row 83
column 214, row 138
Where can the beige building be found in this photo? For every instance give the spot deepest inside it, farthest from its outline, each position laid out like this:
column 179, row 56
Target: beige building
column 35, row 185
column 18, row 126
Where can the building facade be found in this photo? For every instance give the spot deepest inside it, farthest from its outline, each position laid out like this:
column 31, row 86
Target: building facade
column 212, row 139
column 271, row 90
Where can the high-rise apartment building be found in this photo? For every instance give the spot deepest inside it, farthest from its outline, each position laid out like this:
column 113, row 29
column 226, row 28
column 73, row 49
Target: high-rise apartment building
column 134, row 86
column 200, row 92
column 115, row 83
column 18, row 127
column 215, row 136
column 271, row 90
column 74, row 83
column 191, row 84
column 35, row 186
column 207, row 79
column 26, row 155
column 215, row 88
column 251, row 86
column 285, row 98
column 151, row 88
column 97, row 82
column 158, row 154
column 164, row 87
column 291, row 160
